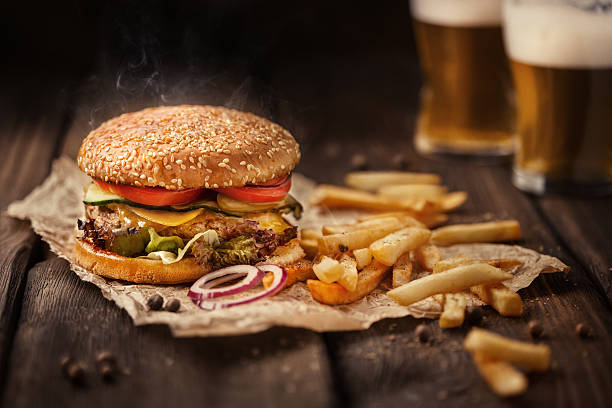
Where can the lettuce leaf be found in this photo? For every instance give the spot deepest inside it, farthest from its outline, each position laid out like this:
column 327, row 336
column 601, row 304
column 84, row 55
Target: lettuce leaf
column 209, row 237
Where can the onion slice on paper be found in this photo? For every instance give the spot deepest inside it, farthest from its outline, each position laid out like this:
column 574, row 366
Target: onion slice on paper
column 203, row 288
column 212, row 302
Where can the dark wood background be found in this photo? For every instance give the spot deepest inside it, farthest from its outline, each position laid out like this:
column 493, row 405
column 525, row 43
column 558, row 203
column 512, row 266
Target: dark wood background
column 344, row 79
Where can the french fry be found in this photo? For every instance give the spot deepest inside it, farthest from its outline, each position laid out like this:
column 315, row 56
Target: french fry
column 310, row 246
column 432, row 219
column 373, row 180
column 327, row 269
column 342, row 197
column 348, row 279
column 501, row 263
column 386, row 214
column 502, row 299
column 481, row 232
column 387, row 249
column 427, row 256
column 491, row 345
column 503, row 379
column 451, row 280
column 335, row 294
column 453, row 313
column 402, row 270
column 397, row 222
column 450, row 201
column 307, row 233
column 331, row 244
column 298, row 272
column 450, row 263
column 413, row 190
column 363, row 256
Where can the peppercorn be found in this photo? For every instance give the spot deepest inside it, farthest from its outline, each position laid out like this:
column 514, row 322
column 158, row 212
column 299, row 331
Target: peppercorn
column 173, row 305
column 359, row 162
column 342, row 248
column 73, row 370
column 583, row 330
column 106, row 365
column 535, row 329
column 155, row 302
column 422, row 333
column 474, row 315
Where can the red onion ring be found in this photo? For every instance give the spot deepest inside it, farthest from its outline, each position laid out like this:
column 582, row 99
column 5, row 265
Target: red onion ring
column 203, row 288
column 280, row 277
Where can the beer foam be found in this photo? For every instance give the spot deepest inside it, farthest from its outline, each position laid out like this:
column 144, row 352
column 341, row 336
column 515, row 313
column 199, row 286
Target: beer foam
column 557, row 35
column 466, row 13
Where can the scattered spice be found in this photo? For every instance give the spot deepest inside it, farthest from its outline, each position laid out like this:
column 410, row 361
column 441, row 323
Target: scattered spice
column 400, row 162
column 342, row 248
column 155, row 302
column 73, row 370
column 474, row 315
column 583, row 330
column 535, row 329
column 107, row 365
column 173, row 305
column 422, row 333
column 359, row 162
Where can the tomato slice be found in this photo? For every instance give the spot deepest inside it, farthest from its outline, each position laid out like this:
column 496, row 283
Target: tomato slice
column 261, row 193
column 156, row 196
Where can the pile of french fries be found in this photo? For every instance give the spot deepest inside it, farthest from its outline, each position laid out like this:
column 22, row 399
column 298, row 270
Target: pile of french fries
column 346, row 262
column 495, row 357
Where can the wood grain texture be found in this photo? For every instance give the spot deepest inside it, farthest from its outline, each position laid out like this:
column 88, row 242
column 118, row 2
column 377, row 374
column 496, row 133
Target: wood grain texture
column 63, row 315
column 29, row 136
column 584, row 226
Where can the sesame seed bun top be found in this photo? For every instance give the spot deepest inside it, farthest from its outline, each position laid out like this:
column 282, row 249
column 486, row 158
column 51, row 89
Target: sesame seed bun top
column 179, row 147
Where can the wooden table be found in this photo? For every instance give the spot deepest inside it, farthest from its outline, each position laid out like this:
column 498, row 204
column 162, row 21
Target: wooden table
column 46, row 312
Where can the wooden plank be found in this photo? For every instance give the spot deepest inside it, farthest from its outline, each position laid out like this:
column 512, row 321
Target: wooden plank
column 29, row 136
column 62, row 315
column 584, row 226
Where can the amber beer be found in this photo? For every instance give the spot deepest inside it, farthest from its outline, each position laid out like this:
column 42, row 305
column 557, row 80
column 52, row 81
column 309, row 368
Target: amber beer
column 467, row 103
column 561, row 58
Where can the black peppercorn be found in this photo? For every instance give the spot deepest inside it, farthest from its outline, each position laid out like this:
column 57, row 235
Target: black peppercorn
column 342, row 248
column 535, row 329
column 399, row 162
column 173, row 305
column 422, row 333
column 359, row 162
column 583, row 330
column 106, row 365
column 474, row 315
column 155, row 302
column 73, row 370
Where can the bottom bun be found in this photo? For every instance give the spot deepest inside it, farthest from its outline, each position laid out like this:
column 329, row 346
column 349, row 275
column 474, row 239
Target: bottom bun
column 137, row 270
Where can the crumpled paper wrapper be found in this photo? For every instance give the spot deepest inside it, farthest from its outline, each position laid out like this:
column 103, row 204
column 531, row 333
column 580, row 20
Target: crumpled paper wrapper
column 54, row 207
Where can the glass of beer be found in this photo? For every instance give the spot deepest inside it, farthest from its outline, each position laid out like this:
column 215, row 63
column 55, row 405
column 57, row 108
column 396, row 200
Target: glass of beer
column 561, row 58
column 467, row 102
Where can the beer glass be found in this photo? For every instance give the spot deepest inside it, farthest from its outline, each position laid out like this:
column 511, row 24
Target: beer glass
column 561, row 58
column 467, row 102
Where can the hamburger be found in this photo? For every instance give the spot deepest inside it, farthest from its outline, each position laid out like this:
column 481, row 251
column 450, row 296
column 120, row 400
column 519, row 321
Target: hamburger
column 179, row 191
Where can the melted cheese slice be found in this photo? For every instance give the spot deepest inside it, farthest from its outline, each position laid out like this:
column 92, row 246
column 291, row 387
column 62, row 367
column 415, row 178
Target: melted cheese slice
column 168, row 218
column 271, row 221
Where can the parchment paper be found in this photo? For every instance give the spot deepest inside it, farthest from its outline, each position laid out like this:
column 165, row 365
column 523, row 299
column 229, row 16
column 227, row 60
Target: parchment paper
column 54, row 207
